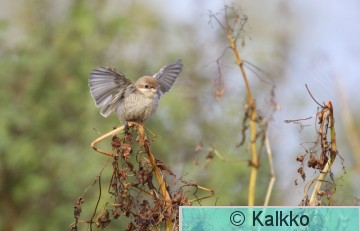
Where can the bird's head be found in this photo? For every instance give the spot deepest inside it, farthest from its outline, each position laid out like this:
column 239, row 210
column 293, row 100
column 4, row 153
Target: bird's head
column 148, row 86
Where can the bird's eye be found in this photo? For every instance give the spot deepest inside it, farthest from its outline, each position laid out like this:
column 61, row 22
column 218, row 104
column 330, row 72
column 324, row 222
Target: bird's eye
column 146, row 86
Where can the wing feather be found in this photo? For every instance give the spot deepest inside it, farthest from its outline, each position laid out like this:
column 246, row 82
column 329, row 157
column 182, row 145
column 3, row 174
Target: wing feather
column 108, row 87
column 167, row 75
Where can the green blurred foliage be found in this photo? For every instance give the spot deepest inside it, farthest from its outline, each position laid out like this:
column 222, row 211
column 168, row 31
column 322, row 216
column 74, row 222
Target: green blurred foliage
column 46, row 116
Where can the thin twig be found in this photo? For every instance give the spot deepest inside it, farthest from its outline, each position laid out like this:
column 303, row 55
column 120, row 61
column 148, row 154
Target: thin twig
column 272, row 172
column 255, row 69
column 307, row 88
column 97, row 203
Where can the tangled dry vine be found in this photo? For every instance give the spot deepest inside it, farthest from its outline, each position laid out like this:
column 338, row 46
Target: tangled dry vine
column 146, row 201
column 326, row 139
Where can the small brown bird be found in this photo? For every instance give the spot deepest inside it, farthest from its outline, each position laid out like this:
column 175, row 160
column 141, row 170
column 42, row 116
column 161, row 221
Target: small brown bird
column 134, row 102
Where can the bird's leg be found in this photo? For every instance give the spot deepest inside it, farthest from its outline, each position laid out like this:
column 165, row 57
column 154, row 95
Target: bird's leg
column 127, row 127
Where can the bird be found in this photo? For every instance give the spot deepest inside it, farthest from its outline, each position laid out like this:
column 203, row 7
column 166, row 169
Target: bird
column 131, row 102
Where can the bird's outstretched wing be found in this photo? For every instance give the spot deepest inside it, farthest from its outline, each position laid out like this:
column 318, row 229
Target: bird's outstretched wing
column 167, row 75
column 107, row 87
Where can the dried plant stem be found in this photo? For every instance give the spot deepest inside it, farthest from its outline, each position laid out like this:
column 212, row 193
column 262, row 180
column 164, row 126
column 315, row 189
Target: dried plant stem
column 112, row 133
column 143, row 141
column 326, row 115
column 162, row 184
column 222, row 158
column 272, row 172
column 253, row 116
column 240, row 62
column 254, row 160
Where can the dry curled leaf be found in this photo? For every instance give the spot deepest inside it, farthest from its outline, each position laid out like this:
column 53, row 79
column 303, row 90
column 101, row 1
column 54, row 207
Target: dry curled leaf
column 163, row 167
column 103, row 219
column 302, row 173
column 300, row 158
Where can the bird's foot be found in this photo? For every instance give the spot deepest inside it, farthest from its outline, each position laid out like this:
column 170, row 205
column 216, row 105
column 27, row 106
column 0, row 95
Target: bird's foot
column 127, row 127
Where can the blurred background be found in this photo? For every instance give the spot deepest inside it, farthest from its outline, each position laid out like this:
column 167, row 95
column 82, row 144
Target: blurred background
column 48, row 118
